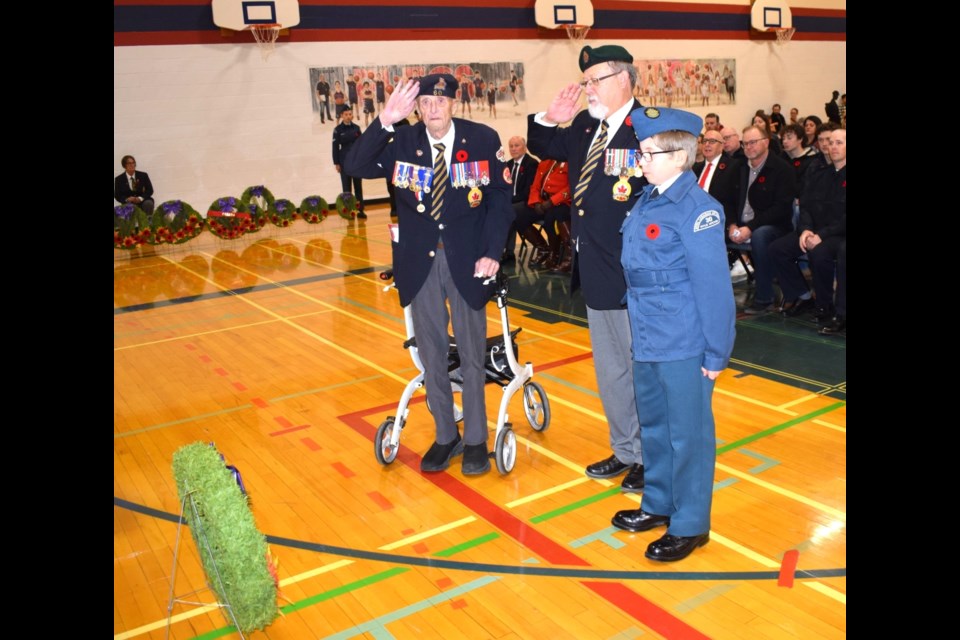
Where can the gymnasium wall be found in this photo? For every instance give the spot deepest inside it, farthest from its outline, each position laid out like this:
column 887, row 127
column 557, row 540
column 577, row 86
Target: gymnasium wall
column 205, row 116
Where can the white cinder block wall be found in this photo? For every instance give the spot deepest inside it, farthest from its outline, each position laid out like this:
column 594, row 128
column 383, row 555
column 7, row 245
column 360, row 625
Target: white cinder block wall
column 207, row 121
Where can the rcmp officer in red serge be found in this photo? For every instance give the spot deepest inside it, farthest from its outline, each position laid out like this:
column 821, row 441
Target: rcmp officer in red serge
column 453, row 204
column 682, row 317
column 596, row 146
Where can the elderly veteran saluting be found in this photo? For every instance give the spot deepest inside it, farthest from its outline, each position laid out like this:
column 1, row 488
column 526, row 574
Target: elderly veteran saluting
column 453, row 204
column 682, row 317
column 598, row 148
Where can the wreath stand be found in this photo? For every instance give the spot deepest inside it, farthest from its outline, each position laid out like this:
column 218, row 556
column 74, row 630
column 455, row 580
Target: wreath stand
column 173, row 572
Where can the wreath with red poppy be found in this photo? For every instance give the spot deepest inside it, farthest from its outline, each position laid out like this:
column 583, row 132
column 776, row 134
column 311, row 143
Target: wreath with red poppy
column 462, row 156
column 653, row 231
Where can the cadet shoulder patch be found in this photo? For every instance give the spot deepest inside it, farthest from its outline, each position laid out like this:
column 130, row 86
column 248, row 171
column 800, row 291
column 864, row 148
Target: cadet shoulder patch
column 706, row 220
column 501, row 155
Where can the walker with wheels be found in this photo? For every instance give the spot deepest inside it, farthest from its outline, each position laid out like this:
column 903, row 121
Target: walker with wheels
column 501, row 368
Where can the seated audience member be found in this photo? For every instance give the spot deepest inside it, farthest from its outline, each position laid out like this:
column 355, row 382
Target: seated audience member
column 762, row 120
column 768, row 186
column 810, row 124
column 731, row 143
column 819, row 234
column 550, row 201
column 711, row 122
column 838, row 325
column 133, row 186
column 823, row 142
column 522, row 167
column 719, row 175
column 794, row 116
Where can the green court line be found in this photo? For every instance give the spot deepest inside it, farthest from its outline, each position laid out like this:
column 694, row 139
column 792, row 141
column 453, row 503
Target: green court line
column 779, row 427
column 568, row 384
column 312, row 600
column 164, row 425
column 469, row 544
column 373, row 310
column 327, row 388
column 575, row 505
column 790, row 334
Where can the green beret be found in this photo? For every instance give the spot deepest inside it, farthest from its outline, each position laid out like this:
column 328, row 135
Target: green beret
column 607, row 53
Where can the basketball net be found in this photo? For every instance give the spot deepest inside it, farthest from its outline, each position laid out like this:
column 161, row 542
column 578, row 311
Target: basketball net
column 266, row 37
column 577, row 34
column 784, row 35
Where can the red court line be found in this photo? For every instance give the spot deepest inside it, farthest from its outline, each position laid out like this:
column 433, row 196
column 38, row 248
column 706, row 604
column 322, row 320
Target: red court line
column 459, row 603
column 240, row 386
column 260, row 402
column 205, row 358
column 788, row 568
column 443, row 583
column 220, row 371
column 190, row 346
column 343, row 470
column 310, row 444
column 563, row 361
column 420, row 548
column 283, row 422
column 286, row 431
column 380, row 500
column 616, row 594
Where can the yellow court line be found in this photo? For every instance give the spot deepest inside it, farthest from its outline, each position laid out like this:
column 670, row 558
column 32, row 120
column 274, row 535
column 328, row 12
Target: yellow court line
column 546, row 492
column 159, row 624
column 830, row 426
column 800, row 400
column 782, row 374
column 839, row 596
column 772, row 407
column 784, row 492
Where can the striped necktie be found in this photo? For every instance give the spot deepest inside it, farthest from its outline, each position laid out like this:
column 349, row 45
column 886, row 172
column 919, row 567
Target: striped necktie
column 439, row 181
column 593, row 159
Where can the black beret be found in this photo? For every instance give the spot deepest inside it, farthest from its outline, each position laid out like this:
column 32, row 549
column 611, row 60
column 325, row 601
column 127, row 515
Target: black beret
column 438, row 84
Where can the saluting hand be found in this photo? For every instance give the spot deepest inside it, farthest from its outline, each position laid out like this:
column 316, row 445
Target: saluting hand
column 565, row 105
column 401, row 102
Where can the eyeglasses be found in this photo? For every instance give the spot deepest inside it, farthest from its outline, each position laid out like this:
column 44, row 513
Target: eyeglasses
column 594, row 82
column 750, row 143
column 647, row 156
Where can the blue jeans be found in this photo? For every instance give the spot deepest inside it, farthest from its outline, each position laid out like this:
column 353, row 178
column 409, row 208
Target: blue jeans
column 760, row 240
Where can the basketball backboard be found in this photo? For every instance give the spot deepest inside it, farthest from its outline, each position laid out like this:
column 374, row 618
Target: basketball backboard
column 553, row 14
column 770, row 14
column 242, row 14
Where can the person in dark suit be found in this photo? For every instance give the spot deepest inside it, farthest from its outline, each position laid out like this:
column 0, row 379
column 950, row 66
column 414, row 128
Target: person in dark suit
column 345, row 135
column 323, row 99
column 722, row 179
column 523, row 167
column 731, row 143
column 449, row 242
column 768, row 185
column 133, row 186
column 600, row 194
column 833, row 108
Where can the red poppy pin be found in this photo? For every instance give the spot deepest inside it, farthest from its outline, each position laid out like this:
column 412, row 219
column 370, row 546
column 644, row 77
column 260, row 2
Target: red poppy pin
column 762, row 179
column 628, row 122
column 796, row 163
column 844, row 185
column 721, row 166
column 461, row 156
column 653, row 231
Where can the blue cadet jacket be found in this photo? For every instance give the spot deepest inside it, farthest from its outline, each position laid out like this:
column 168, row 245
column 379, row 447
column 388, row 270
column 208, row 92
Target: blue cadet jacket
column 679, row 295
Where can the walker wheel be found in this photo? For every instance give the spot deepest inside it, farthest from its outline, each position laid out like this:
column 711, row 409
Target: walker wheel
column 506, row 451
column 536, row 406
column 385, row 452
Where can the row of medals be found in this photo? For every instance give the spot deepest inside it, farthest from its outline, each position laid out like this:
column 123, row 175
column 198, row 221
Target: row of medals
column 419, row 180
column 626, row 164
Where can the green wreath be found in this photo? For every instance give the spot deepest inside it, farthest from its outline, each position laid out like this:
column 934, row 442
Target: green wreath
column 234, row 553
column 174, row 222
column 230, row 218
column 131, row 226
column 282, row 213
column 314, row 209
column 347, row 206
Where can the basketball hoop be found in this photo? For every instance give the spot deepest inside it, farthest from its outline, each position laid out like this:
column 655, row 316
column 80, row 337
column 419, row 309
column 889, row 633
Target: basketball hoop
column 783, row 35
column 577, row 33
column 266, row 37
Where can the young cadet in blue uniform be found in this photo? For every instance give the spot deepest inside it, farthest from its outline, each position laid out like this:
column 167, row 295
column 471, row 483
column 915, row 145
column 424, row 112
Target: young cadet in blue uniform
column 682, row 316
column 450, row 240
column 345, row 135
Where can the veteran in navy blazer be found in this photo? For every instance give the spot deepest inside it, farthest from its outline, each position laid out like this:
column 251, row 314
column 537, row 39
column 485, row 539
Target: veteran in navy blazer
column 133, row 186
column 600, row 203
column 450, row 240
column 768, row 185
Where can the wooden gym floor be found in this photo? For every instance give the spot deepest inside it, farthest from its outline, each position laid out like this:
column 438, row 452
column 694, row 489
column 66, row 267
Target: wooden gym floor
column 283, row 349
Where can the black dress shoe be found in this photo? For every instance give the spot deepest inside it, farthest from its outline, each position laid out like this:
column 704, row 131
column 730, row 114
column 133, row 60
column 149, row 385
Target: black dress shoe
column 633, row 482
column 637, row 520
column 837, row 327
column 476, row 459
column 361, row 215
column 672, row 548
column 799, row 306
column 606, row 468
column 438, row 457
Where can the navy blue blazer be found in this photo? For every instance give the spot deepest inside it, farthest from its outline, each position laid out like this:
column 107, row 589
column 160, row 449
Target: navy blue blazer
column 528, row 169
column 467, row 233
column 725, row 184
column 595, row 224
column 122, row 191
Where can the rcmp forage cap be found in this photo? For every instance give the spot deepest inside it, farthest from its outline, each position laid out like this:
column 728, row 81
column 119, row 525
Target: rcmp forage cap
column 607, row 53
column 649, row 121
column 438, row 84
